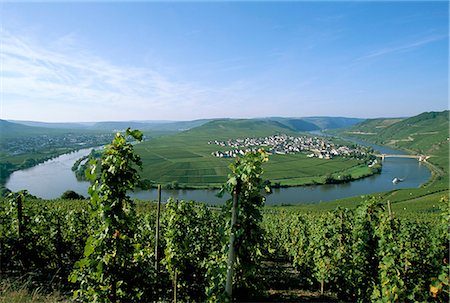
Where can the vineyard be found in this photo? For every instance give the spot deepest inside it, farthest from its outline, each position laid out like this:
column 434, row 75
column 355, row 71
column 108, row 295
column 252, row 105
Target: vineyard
column 114, row 249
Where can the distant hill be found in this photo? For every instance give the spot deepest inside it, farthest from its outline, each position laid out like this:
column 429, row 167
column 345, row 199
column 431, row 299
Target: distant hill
column 427, row 133
column 64, row 125
column 13, row 130
column 418, row 133
column 316, row 123
column 296, row 124
column 332, row 122
column 233, row 128
column 177, row 125
column 373, row 126
column 157, row 125
column 119, row 125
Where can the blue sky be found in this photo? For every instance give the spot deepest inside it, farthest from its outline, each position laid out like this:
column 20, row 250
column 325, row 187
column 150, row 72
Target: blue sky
column 87, row 61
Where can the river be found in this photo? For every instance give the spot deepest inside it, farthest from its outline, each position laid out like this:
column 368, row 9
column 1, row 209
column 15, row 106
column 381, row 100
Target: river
column 50, row 179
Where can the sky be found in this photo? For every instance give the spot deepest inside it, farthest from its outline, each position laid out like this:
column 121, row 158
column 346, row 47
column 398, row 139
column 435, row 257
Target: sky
column 117, row 61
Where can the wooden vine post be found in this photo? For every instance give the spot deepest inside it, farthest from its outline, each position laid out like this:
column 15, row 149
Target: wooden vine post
column 158, row 211
column 231, row 251
column 19, row 201
column 175, row 286
column 389, row 209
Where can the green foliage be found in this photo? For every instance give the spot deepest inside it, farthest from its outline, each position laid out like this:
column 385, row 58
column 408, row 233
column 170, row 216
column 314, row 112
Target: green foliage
column 191, row 237
column 113, row 258
column 245, row 179
column 364, row 247
column 403, row 259
column 79, row 169
column 365, row 255
column 71, row 195
column 330, row 246
column 440, row 281
column 49, row 241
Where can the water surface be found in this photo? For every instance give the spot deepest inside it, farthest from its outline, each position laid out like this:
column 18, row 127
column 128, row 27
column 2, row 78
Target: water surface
column 50, row 179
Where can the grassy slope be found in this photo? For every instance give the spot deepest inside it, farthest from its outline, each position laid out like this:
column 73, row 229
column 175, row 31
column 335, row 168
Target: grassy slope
column 426, row 133
column 372, row 126
column 332, row 122
column 186, row 157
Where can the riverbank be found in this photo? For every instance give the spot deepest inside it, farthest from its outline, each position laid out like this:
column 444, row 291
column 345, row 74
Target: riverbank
column 51, row 179
column 354, row 173
column 11, row 164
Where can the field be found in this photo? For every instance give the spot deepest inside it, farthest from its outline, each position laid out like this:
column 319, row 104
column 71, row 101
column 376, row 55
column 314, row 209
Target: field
column 186, row 157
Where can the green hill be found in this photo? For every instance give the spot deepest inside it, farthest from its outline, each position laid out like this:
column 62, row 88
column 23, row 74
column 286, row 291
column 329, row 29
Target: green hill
column 185, row 158
column 332, row 122
column 10, row 130
column 426, row 133
column 151, row 125
column 234, row 128
column 371, row 127
column 421, row 133
column 298, row 124
column 316, row 123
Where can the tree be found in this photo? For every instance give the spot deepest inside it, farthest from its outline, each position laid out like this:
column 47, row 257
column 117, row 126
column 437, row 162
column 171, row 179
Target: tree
column 71, row 195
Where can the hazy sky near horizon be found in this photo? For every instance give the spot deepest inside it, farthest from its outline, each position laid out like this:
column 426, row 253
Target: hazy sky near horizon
column 85, row 61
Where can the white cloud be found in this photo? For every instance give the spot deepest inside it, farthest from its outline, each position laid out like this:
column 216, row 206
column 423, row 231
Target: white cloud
column 63, row 81
column 62, row 76
column 402, row 48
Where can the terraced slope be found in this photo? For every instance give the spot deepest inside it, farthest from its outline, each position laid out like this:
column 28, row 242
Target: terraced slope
column 427, row 133
column 185, row 158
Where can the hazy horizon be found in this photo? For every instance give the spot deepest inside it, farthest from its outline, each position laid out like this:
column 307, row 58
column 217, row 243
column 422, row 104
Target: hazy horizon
column 183, row 61
column 215, row 118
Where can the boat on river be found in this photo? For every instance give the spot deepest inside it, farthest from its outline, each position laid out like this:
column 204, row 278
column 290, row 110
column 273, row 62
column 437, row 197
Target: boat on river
column 397, row 180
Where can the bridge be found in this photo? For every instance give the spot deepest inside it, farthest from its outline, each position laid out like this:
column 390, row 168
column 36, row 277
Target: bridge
column 421, row 158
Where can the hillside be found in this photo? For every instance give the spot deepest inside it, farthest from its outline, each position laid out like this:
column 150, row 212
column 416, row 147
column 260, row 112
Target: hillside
column 234, row 128
column 426, row 133
column 186, row 158
column 151, row 125
column 297, row 124
column 420, row 133
column 332, row 122
column 10, row 130
column 372, row 127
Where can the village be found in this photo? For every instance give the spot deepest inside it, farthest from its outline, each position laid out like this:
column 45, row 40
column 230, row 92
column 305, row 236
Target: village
column 283, row 144
column 31, row 144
